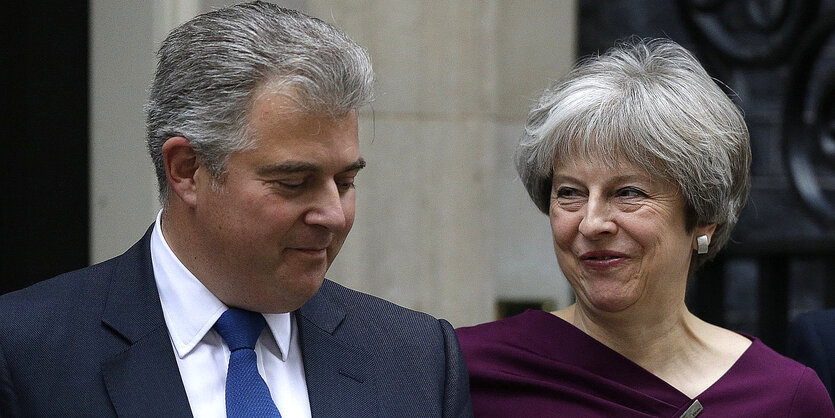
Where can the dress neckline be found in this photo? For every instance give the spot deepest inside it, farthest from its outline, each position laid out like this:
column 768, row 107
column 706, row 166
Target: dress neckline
column 589, row 357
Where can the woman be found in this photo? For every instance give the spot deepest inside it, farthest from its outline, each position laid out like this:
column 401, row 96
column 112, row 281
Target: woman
column 642, row 164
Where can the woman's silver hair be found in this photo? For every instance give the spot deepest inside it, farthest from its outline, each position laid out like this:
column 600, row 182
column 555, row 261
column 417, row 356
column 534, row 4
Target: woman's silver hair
column 210, row 67
column 649, row 103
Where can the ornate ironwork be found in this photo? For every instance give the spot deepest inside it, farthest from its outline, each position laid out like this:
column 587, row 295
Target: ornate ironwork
column 750, row 31
column 809, row 125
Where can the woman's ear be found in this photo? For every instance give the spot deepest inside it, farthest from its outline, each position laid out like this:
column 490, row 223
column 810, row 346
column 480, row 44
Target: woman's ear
column 180, row 167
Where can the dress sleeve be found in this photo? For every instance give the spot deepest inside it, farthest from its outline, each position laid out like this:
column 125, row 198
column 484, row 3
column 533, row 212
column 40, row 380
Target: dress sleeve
column 811, row 398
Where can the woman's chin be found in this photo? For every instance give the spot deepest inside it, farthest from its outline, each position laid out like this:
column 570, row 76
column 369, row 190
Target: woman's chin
column 610, row 302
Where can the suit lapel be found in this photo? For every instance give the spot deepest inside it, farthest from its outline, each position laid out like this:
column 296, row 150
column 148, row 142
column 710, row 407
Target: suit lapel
column 142, row 380
column 340, row 377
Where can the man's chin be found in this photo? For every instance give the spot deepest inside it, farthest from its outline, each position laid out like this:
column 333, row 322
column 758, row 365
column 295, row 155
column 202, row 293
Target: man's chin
column 296, row 294
column 289, row 296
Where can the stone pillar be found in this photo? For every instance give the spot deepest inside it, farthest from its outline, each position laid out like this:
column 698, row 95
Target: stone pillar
column 124, row 37
column 443, row 225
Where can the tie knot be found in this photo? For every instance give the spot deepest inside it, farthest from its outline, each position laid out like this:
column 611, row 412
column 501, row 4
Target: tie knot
column 240, row 328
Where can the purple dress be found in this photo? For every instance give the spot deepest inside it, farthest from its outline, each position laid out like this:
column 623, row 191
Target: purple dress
column 537, row 365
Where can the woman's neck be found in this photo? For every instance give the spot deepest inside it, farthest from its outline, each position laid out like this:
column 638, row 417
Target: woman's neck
column 673, row 344
column 642, row 337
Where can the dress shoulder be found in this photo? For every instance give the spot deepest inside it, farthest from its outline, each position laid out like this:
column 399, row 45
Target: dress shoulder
column 811, row 398
column 765, row 383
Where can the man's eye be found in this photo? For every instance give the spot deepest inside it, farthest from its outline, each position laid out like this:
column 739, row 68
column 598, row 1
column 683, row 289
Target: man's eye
column 288, row 184
column 346, row 185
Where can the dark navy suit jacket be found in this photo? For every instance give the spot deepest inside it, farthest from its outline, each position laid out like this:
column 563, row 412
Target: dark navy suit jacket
column 93, row 343
column 812, row 342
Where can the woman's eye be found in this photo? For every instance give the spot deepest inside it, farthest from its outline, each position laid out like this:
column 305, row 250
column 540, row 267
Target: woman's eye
column 631, row 192
column 566, row 192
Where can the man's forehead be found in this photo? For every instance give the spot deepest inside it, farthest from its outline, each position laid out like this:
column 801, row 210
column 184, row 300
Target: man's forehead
column 281, row 98
column 277, row 103
column 272, row 107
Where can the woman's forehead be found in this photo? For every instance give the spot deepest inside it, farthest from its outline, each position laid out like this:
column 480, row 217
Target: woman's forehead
column 592, row 155
column 590, row 164
column 620, row 167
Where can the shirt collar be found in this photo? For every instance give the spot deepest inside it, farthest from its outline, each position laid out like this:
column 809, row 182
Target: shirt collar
column 190, row 309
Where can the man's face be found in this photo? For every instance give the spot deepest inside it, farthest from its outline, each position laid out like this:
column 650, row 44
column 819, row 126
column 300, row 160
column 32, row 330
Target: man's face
column 274, row 223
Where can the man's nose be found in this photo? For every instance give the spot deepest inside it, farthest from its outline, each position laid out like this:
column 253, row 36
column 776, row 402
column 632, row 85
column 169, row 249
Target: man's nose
column 598, row 219
column 326, row 209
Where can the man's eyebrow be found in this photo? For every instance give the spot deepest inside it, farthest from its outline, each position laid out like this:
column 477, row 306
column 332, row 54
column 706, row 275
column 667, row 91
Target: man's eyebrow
column 359, row 164
column 287, row 167
column 290, row 167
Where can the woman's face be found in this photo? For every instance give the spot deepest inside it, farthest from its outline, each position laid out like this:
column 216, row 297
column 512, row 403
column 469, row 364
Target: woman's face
column 620, row 236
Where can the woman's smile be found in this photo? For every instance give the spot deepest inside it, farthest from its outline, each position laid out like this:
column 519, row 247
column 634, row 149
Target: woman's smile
column 603, row 259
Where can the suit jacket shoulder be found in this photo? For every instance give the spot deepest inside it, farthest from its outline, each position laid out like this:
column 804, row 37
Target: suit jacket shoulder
column 92, row 342
column 40, row 330
column 811, row 341
column 399, row 360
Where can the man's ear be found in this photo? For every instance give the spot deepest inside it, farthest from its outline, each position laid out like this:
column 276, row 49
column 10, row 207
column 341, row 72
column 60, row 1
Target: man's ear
column 708, row 230
column 181, row 167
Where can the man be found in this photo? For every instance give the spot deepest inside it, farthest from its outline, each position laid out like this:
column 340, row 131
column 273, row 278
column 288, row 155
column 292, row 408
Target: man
column 811, row 341
column 222, row 306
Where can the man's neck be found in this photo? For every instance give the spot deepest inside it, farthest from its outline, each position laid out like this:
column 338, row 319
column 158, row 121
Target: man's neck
column 183, row 242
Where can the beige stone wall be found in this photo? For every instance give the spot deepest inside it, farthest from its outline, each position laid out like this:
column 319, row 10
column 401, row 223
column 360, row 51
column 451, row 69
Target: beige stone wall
column 443, row 225
column 124, row 37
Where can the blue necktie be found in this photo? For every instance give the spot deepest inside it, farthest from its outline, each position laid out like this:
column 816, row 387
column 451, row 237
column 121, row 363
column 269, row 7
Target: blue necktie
column 247, row 395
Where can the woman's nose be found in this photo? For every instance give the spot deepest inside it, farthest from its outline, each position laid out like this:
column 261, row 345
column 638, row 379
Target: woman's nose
column 597, row 219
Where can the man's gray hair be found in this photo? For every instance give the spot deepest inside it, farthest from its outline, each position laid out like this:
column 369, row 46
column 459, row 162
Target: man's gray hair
column 649, row 103
column 210, row 66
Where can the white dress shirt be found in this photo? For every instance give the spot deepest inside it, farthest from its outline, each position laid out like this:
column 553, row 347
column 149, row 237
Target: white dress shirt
column 190, row 311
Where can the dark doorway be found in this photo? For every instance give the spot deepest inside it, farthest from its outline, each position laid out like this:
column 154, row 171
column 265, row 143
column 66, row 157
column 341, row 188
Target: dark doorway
column 45, row 174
